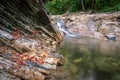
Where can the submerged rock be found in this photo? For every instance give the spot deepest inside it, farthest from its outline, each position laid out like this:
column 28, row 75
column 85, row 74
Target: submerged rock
column 111, row 36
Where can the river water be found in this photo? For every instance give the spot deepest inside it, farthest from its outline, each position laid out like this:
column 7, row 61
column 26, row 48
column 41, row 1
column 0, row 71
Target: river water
column 90, row 59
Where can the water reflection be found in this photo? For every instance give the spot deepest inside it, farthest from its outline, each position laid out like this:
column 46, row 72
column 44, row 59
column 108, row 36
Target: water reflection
column 91, row 59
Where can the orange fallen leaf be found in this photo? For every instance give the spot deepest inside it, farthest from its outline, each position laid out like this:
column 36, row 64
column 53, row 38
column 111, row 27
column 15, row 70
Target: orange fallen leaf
column 14, row 56
column 43, row 54
column 33, row 59
column 41, row 61
column 20, row 61
column 16, row 35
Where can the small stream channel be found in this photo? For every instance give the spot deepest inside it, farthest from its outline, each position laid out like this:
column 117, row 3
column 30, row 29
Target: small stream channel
column 90, row 59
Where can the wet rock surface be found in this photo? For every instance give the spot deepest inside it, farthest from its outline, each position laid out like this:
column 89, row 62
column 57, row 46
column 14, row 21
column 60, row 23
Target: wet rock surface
column 28, row 41
column 6, row 76
column 97, row 25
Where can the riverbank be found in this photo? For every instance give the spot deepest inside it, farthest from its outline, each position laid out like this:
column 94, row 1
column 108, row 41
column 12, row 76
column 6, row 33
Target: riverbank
column 96, row 25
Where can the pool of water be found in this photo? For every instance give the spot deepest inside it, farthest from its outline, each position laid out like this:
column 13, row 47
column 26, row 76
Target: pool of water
column 90, row 59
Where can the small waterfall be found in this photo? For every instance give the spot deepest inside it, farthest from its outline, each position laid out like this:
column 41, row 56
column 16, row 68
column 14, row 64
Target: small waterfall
column 62, row 28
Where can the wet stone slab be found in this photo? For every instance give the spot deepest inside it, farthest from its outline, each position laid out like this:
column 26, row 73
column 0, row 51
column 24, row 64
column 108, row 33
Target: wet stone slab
column 6, row 76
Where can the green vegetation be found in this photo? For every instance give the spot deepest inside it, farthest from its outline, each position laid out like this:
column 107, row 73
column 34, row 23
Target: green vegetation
column 61, row 6
column 56, row 6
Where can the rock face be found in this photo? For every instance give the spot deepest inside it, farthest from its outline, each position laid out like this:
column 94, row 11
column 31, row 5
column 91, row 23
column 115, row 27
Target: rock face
column 28, row 41
column 93, row 25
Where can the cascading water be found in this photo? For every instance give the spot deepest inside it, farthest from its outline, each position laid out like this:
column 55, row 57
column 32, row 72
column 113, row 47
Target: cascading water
column 62, row 28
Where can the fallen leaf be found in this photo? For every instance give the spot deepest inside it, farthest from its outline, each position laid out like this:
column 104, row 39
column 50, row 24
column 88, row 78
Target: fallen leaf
column 43, row 54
